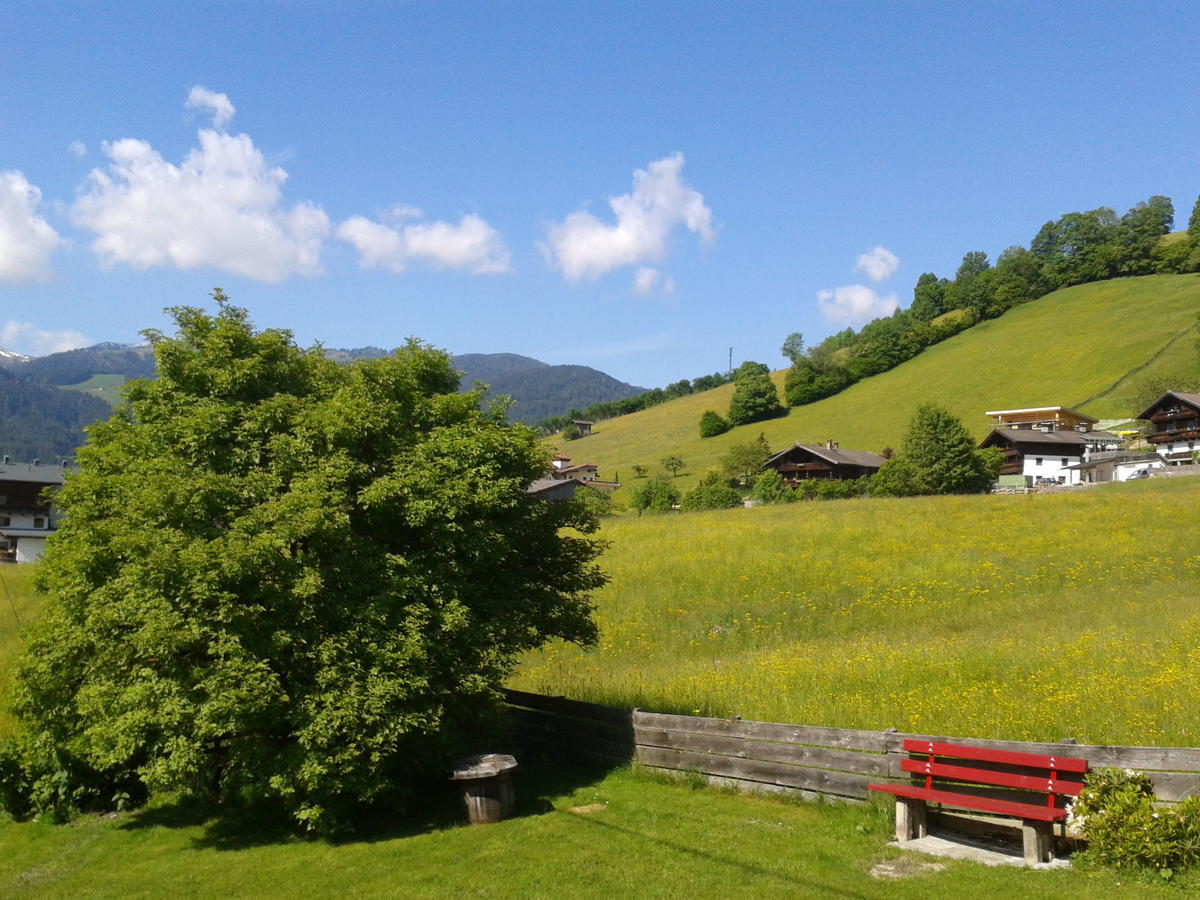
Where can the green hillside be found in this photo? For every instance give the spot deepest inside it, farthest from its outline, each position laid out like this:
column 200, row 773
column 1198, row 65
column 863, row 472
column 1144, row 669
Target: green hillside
column 1088, row 347
column 106, row 387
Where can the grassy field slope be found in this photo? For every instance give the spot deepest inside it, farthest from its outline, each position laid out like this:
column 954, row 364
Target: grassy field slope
column 1030, row 617
column 1087, row 347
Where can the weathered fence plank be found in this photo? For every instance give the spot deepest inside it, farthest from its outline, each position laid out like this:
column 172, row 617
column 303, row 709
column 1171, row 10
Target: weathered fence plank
column 812, row 759
column 1169, row 759
column 605, row 730
column 846, row 738
column 826, row 781
column 568, row 707
column 793, row 754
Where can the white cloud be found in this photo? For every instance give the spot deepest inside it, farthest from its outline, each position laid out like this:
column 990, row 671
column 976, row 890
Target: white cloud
column 878, row 264
column 472, row 244
column 583, row 247
column 218, row 104
column 645, row 280
column 24, row 337
column 26, row 239
column 221, row 207
column 77, row 148
column 855, row 304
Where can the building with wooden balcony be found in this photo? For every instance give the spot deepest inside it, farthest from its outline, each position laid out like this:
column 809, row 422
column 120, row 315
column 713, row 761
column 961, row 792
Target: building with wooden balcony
column 1175, row 426
column 802, row 462
column 1044, row 418
column 1048, row 444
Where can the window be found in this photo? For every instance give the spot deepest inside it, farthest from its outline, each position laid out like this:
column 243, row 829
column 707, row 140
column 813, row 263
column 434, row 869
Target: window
column 39, row 522
column 1037, row 461
column 5, row 520
column 1064, row 460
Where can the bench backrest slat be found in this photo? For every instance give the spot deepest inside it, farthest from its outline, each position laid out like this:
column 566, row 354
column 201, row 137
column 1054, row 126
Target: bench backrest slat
column 990, row 776
column 1008, row 757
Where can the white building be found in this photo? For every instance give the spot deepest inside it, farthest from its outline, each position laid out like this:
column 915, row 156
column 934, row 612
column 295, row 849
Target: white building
column 1047, row 444
column 27, row 519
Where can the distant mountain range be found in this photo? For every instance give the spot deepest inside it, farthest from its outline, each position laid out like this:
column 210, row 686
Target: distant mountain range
column 46, row 401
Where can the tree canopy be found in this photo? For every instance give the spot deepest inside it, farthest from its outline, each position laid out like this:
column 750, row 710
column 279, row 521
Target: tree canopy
column 938, row 457
column 754, row 395
column 278, row 577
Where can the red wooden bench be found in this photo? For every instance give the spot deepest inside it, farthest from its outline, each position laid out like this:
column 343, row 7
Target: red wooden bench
column 1026, row 786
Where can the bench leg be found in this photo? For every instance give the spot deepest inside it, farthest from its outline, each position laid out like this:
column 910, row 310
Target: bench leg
column 910, row 819
column 1036, row 836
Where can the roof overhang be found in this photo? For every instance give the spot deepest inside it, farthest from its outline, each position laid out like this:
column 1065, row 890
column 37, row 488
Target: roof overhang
column 1041, row 409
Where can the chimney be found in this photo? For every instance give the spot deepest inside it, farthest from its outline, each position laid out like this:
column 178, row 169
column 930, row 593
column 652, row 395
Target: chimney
column 829, row 443
column 7, row 459
column 36, row 461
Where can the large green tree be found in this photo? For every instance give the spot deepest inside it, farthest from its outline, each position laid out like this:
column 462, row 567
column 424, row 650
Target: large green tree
column 938, row 457
column 754, row 395
column 278, row 577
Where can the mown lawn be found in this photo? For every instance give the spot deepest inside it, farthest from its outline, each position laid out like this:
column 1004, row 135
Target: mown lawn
column 1061, row 349
column 578, row 835
column 1032, row 617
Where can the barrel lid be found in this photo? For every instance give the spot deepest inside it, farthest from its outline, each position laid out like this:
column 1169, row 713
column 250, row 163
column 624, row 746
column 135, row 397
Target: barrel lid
column 486, row 765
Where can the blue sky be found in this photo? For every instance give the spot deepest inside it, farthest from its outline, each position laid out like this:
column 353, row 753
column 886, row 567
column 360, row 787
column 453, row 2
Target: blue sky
column 633, row 186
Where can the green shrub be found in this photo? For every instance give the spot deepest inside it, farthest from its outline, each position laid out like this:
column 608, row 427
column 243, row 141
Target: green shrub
column 712, row 424
column 655, row 495
column 771, row 488
column 844, row 489
column 1125, row 830
column 712, row 493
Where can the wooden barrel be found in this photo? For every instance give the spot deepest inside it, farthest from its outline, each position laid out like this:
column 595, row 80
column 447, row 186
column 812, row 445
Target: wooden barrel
column 489, row 799
column 487, row 787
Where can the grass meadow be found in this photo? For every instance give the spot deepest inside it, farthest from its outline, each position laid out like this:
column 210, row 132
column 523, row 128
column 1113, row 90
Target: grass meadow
column 106, row 387
column 1063, row 349
column 1023, row 617
column 577, row 834
column 1028, row 617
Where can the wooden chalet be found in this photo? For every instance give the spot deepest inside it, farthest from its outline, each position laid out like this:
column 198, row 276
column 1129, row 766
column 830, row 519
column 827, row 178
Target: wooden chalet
column 827, row 461
column 1175, row 418
column 1040, row 455
column 1044, row 418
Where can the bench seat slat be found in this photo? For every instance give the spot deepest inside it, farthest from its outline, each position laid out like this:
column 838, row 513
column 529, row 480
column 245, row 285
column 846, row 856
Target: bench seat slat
column 985, row 804
column 1011, row 757
column 991, row 776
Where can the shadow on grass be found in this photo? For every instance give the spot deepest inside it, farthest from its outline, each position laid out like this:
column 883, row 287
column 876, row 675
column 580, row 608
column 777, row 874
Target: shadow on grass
column 435, row 805
column 806, row 885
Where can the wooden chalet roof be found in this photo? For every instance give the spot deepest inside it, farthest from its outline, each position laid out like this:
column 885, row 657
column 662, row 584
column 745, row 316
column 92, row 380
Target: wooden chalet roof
column 33, row 473
column 839, row 457
column 1192, row 400
column 1033, row 410
column 1033, row 436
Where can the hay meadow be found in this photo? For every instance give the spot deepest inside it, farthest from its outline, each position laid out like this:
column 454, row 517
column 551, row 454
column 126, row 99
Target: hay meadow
column 1029, row 617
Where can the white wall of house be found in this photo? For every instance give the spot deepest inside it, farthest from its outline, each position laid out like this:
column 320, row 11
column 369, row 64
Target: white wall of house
column 1173, row 448
column 1047, row 466
column 27, row 520
column 30, row 548
column 1125, row 471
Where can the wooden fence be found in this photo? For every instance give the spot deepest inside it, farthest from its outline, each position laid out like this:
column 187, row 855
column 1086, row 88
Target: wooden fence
column 766, row 756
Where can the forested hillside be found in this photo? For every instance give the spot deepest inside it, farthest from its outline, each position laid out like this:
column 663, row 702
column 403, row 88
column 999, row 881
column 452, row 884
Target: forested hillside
column 38, row 421
column 538, row 389
column 49, row 399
